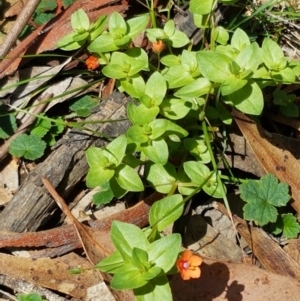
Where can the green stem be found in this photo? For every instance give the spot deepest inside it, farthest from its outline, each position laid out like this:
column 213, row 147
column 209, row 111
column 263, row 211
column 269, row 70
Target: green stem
column 152, row 14
column 104, row 57
column 214, row 164
column 233, row 179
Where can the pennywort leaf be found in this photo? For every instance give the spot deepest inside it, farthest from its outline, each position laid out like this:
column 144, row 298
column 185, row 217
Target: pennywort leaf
column 30, row 147
column 262, row 198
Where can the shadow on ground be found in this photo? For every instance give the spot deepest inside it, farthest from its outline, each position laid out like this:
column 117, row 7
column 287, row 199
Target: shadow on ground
column 211, row 286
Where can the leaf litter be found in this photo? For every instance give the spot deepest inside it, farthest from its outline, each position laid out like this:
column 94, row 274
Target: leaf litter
column 234, row 281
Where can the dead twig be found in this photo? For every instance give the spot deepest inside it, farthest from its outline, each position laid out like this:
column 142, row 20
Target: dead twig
column 19, row 25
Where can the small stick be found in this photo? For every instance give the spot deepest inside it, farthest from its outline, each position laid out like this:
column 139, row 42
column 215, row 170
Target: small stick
column 19, row 25
column 24, row 127
column 80, row 229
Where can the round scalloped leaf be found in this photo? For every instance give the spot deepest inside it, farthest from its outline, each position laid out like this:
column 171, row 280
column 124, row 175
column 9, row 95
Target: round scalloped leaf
column 30, row 147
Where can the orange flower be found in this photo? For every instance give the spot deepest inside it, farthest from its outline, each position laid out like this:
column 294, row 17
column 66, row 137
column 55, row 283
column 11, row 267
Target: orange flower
column 92, row 62
column 188, row 265
column 158, row 46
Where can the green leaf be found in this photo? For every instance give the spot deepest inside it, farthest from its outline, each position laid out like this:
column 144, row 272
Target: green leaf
column 117, row 148
column 104, row 195
column 134, row 86
column 157, row 152
column 214, row 66
column 156, row 88
column 30, row 147
column 249, row 58
column 98, row 176
column 67, row 43
column 224, row 114
column 111, row 264
column 116, row 189
column 232, row 84
column 202, row 7
column 179, row 39
column 127, row 277
column 169, row 28
column 125, row 237
column 156, row 289
column 164, row 127
column 114, row 71
column 170, row 60
column 190, row 63
column 220, row 34
column 175, row 108
column 185, row 184
column 198, row 148
column 201, row 21
column 166, row 211
column 104, row 43
column 155, row 34
column 80, row 21
column 240, row 40
column 8, row 123
column 177, row 76
column 137, row 25
column 80, row 37
column 41, row 127
column 138, row 134
column 101, row 166
column 291, row 227
column 153, row 272
column 97, row 28
column 67, row 3
column 200, row 173
column 96, row 157
column 45, row 5
column 117, row 25
column 262, row 196
column 30, row 297
column 139, row 257
column 249, row 99
column 141, row 115
column 128, row 178
column 286, row 76
column 43, row 18
column 162, row 177
column 55, row 130
column 290, row 110
column 199, row 87
column 84, row 105
column 272, row 55
column 196, row 171
column 126, row 64
column 164, row 252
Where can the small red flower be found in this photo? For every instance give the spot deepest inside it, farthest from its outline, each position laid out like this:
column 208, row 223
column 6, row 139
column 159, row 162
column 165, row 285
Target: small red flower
column 188, row 265
column 92, row 62
column 158, row 46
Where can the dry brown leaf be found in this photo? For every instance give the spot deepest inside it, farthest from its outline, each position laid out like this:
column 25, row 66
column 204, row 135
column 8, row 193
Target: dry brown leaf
column 15, row 8
column 51, row 273
column 293, row 249
column 272, row 155
column 9, row 174
column 202, row 238
column 221, row 280
column 268, row 252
